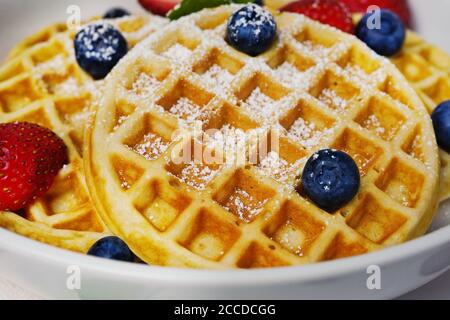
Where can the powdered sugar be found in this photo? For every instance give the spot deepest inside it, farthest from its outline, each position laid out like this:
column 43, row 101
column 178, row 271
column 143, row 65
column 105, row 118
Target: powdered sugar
column 244, row 205
column 177, row 52
column 218, row 77
column 332, row 99
column 186, row 109
column 152, row 147
column 145, row 85
column 58, row 68
column 290, row 75
column 291, row 238
column 277, row 168
column 306, row 133
column 120, row 121
column 68, row 87
column 372, row 122
column 57, row 65
column 123, row 179
column 356, row 71
column 261, row 107
column 197, row 176
column 318, row 49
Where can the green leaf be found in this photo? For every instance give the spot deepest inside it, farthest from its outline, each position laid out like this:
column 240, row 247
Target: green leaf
column 190, row 6
column 187, row 7
column 243, row 1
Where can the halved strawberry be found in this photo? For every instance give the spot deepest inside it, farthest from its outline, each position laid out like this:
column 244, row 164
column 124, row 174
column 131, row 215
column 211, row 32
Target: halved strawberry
column 159, row 7
column 30, row 158
column 400, row 7
column 331, row 12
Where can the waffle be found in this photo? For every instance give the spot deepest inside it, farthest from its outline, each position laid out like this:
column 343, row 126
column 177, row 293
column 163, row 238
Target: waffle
column 40, row 37
column 427, row 68
column 42, row 83
column 316, row 88
column 277, row 4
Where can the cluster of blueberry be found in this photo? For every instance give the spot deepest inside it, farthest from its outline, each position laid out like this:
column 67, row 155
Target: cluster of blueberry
column 331, row 178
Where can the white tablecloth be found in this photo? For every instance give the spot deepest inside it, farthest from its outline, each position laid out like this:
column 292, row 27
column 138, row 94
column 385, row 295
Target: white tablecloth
column 11, row 291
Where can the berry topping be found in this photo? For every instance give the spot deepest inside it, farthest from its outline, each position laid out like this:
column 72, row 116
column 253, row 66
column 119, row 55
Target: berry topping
column 400, row 7
column 330, row 179
column 251, row 30
column 115, row 13
column 30, row 158
column 98, row 48
column 441, row 123
column 331, row 12
column 112, row 248
column 159, row 7
column 387, row 38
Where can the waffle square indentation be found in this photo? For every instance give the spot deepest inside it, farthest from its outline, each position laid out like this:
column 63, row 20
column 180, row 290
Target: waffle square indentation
column 210, row 236
column 244, row 196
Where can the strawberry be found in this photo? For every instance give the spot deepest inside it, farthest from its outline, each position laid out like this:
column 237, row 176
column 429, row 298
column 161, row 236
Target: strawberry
column 30, row 158
column 400, row 7
column 160, row 7
column 331, row 12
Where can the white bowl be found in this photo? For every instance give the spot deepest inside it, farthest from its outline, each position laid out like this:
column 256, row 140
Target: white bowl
column 44, row 269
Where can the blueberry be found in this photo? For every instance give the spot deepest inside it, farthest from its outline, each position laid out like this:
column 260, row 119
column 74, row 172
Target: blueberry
column 330, row 179
column 441, row 124
column 388, row 38
column 112, row 248
column 98, row 48
column 251, row 30
column 115, row 13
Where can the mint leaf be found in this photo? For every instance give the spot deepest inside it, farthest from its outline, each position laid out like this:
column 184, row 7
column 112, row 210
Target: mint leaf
column 187, row 7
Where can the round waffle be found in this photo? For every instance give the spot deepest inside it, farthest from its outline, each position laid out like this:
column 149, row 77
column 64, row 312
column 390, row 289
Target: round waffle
column 316, row 88
column 42, row 83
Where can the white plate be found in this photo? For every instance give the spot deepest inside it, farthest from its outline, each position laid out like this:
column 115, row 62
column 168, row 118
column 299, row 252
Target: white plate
column 44, row 268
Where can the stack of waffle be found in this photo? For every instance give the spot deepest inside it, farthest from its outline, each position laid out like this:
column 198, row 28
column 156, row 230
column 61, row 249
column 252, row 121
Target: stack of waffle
column 315, row 88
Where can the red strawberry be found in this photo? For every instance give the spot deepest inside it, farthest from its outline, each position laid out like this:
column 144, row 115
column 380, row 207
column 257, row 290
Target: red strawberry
column 30, row 158
column 160, row 7
column 331, row 12
column 400, row 7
